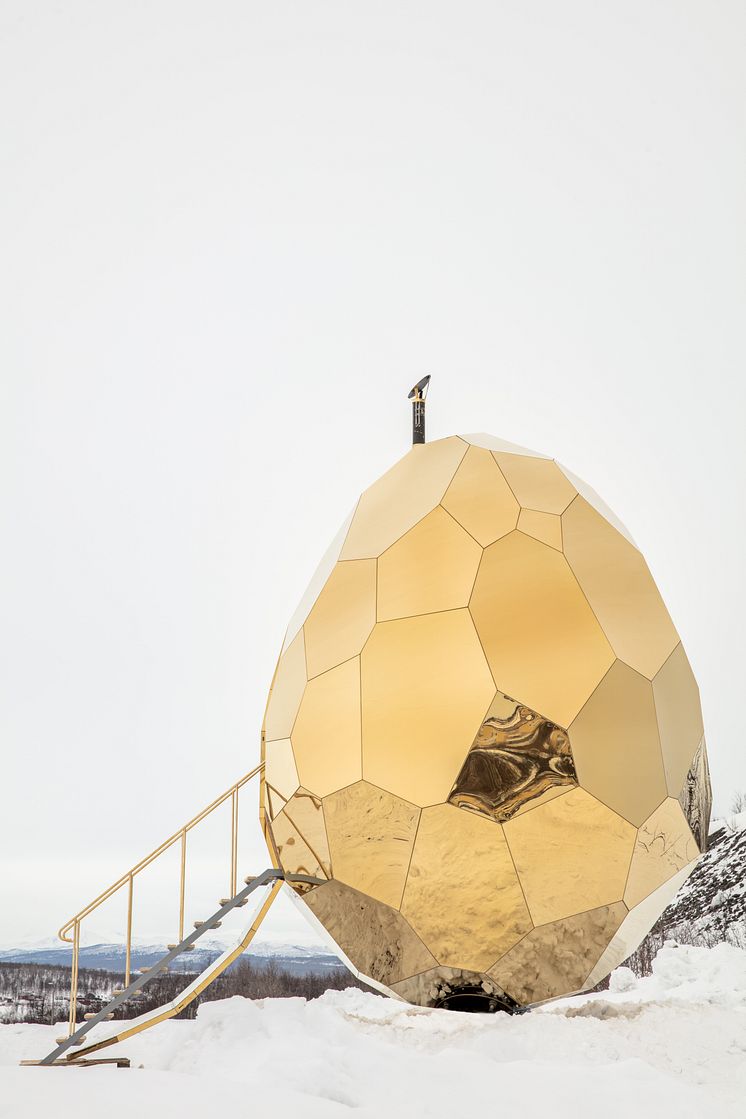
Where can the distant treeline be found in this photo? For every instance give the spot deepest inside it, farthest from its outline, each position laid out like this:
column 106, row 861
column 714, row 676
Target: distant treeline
column 41, row 992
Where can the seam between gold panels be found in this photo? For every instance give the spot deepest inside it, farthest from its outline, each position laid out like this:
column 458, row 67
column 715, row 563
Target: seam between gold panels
column 409, row 867
column 616, row 933
column 303, row 837
column 631, row 860
column 457, row 522
column 352, row 518
column 518, row 879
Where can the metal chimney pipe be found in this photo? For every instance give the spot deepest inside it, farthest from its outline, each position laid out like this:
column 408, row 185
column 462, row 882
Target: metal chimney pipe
column 417, row 396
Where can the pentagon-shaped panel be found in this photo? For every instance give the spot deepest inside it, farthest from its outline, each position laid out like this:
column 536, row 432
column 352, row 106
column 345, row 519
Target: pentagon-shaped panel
column 371, row 835
column 480, row 499
column 425, row 688
column 615, row 745
column 664, row 846
column 551, row 843
column 342, row 617
column 431, row 568
column 326, row 735
column 462, row 894
column 537, row 483
column 679, row 717
column 542, row 641
column 620, row 589
column 402, row 497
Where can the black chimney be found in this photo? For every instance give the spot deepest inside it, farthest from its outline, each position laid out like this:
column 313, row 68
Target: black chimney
column 417, row 396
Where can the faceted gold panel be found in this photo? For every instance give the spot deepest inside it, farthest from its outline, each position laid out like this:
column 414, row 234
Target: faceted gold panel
column 462, row 894
column 679, row 717
column 376, row 939
column 275, row 801
column 432, row 568
column 480, row 499
column 425, row 688
column 615, row 745
column 546, row 527
column 537, row 483
column 295, row 854
column 695, row 797
column 543, row 644
column 664, row 846
column 286, row 692
column 402, row 497
column 595, row 501
column 438, row 986
column 305, row 812
column 371, row 835
column 571, row 855
column 620, row 589
column 342, row 617
column 322, row 573
column 279, row 767
column 517, row 760
column 326, row 736
column 556, row 958
column 492, row 443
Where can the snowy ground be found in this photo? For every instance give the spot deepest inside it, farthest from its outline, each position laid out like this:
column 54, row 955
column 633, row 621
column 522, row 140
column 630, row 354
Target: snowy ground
column 671, row 1045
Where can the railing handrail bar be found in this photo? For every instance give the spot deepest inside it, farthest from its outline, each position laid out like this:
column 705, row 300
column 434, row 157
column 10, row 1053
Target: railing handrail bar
column 125, row 878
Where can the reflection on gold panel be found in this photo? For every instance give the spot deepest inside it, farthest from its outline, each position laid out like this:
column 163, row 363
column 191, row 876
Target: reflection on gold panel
column 679, row 717
column 305, row 812
column 615, row 745
column 537, row 483
column 571, row 855
column 286, row 692
column 402, row 497
column 455, row 989
column 274, row 801
column 376, row 939
column 462, row 894
column 432, row 568
column 425, row 688
column 542, row 641
column 480, row 499
column 556, row 958
column 371, row 834
column 619, row 587
column 296, row 857
column 517, row 760
column 664, row 846
column 279, row 767
column 546, row 527
column 326, row 736
column 342, row 617
column 695, row 797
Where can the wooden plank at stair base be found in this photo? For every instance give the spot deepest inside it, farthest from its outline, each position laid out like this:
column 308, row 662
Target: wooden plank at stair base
column 209, row 974
column 120, row 1062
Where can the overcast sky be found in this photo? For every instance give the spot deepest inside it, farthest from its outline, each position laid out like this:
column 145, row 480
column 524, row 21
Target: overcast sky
column 232, row 236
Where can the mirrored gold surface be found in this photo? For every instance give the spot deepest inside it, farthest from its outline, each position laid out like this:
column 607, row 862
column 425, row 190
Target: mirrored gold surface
column 371, row 835
column 679, row 717
column 326, row 736
column 425, row 688
column 402, row 497
column 437, row 986
column 287, row 691
column 664, row 846
column 619, row 587
column 320, row 576
column 695, row 797
column 543, row 644
column 295, row 854
column 462, row 894
column 536, row 482
column 432, row 568
column 342, row 617
column 571, row 855
column 615, row 745
column 480, row 499
column 546, row 527
column 279, row 767
column 305, row 812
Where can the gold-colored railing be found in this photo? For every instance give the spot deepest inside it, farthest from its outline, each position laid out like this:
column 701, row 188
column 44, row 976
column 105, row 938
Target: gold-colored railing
column 70, row 932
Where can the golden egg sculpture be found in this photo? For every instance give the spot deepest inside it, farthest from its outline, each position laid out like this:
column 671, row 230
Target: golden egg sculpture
column 484, row 735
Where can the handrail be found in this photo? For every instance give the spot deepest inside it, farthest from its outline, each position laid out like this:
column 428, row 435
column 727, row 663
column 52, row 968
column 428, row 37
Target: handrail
column 178, row 835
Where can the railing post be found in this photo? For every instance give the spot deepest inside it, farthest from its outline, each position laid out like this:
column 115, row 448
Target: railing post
column 128, row 952
column 74, row 979
column 234, row 843
column 182, row 884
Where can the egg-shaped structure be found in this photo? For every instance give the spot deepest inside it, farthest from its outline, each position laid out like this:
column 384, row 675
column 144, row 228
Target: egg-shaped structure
column 484, row 734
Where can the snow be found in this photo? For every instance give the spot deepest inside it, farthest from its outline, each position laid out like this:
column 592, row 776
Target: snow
column 673, row 1044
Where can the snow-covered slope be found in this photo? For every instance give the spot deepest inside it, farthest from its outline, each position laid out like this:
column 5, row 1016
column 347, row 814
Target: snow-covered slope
column 669, row 1047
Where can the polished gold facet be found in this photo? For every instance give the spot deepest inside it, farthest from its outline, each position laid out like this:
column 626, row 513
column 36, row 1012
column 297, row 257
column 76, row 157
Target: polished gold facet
column 695, row 797
column 342, row 617
column 305, row 812
column 679, row 717
column 616, row 747
column 425, row 688
column 557, row 957
column 402, row 497
column 371, row 835
column 444, row 986
column 664, row 846
column 619, row 587
column 287, row 691
column 546, row 527
column 326, row 736
column 551, row 843
column 322, row 573
column 480, row 499
column 542, row 641
column 295, row 854
column 432, row 568
column 280, row 770
column 537, row 483
column 376, row 939
column 462, row 894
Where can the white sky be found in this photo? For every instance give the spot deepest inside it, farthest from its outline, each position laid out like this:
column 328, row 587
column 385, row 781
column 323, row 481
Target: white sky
column 232, row 235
